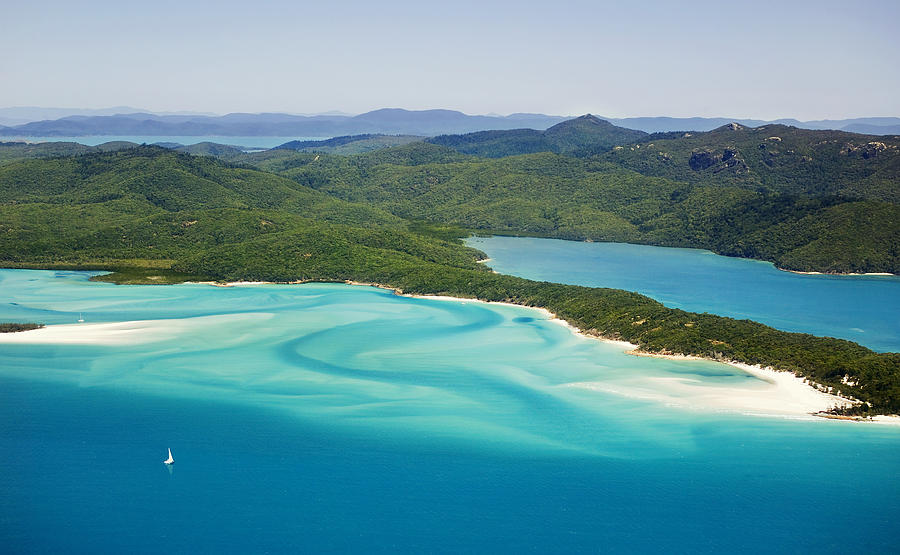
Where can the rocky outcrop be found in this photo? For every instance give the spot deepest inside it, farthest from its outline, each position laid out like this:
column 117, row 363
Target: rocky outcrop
column 729, row 160
column 702, row 160
column 868, row 150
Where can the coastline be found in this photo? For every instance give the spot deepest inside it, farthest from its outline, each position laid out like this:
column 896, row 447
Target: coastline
column 130, row 332
column 791, row 395
column 802, row 273
column 105, row 333
column 786, row 389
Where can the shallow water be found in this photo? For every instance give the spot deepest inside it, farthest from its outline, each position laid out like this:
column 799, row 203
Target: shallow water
column 864, row 309
column 334, row 417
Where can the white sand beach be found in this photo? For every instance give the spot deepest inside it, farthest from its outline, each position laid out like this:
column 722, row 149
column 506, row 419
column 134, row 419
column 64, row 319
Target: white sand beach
column 122, row 333
column 777, row 394
column 110, row 333
column 838, row 274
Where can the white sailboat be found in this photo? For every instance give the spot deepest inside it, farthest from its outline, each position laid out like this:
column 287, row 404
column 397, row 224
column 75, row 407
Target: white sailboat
column 80, row 318
column 170, row 460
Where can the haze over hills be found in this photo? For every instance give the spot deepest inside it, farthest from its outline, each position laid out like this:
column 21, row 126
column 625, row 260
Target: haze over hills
column 874, row 126
column 387, row 121
column 17, row 115
column 38, row 122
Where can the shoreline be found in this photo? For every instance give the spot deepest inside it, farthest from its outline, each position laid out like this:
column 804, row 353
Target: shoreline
column 802, row 273
column 781, row 379
column 129, row 332
column 790, row 386
column 784, row 380
column 501, row 234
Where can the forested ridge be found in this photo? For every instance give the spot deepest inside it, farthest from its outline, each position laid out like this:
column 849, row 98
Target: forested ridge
column 156, row 216
column 583, row 136
column 847, row 227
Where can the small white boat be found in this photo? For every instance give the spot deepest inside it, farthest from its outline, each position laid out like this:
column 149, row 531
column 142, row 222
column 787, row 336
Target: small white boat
column 80, row 318
column 170, row 460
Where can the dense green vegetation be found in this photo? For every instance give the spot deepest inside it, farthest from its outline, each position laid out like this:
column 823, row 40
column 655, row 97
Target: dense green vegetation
column 13, row 151
column 157, row 216
column 210, row 149
column 805, row 200
column 350, row 144
column 591, row 199
column 16, row 151
column 142, row 209
column 774, row 159
column 11, row 327
column 581, row 136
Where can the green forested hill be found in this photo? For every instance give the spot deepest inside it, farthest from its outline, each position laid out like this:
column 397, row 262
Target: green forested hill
column 149, row 208
column 350, row 144
column 14, row 151
column 559, row 196
column 805, row 200
column 156, row 215
column 774, row 158
column 582, row 136
column 163, row 180
column 218, row 150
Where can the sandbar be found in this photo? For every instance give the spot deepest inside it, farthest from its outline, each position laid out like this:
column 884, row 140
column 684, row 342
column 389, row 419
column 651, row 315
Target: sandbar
column 132, row 332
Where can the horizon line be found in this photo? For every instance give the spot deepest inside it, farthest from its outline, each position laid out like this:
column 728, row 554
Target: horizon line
column 342, row 113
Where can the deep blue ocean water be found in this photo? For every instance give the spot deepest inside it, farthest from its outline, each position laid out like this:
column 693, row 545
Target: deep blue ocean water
column 864, row 309
column 338, row 418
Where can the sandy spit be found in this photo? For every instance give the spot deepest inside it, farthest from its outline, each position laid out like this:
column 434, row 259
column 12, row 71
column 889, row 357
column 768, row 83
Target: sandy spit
column 133, row 332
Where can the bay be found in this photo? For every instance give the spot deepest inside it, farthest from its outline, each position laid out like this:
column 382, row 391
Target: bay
column 864, row 309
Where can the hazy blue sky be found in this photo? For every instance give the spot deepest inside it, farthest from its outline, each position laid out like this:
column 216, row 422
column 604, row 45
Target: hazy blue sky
column 804, row 59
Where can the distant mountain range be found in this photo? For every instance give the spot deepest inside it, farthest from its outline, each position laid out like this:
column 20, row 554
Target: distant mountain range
column 394, row 121
column 385, row 121
column 19, row 115
column 869, row 126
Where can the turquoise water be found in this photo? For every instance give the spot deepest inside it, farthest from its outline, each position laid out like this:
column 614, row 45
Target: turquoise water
column 94, row 140
column 330, row 417
column 864, row 309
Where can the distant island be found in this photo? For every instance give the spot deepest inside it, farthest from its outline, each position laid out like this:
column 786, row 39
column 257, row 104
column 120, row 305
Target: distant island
column 123, row 120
